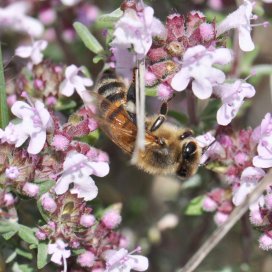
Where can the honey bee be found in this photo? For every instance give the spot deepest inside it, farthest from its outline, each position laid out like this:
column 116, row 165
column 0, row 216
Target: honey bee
column 168, row 149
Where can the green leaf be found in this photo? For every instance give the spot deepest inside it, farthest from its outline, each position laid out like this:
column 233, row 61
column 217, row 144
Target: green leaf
column 88, row 39
column 7, row 226
column 9, row 234
column 98, row 58
column 4, row 115
column 27, row 235
column 91, row 138
column 109, row 20
column 42, row 255
column 151, row 91
column 65, row 105
column 78, row 251
column 23, row 253
column 11, row 257
column 180, row 117
column 45, row 186
column 195, row 206
column 22, row 268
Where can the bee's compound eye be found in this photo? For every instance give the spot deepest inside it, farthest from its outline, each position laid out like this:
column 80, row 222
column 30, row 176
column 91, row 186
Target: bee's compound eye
column 186, row 134
column 189, row 150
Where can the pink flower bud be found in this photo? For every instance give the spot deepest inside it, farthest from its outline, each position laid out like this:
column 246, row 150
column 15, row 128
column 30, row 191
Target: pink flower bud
column 240, row 158
column 40, row 235
column 209, row 205
column 164, row 91
column 265, row 242
column 47, row 16
column 255, row 218
column 206, row 31
column 220, row 218
column 48, row 203
column 87, row 220
column 8, row 199
column 51, row 101
column 150, row 79
column 11, row 99
column 111, row 219
column 31, row 189
column 86, row 259
column 39, row 84
column 12, row 172
column 60, row 142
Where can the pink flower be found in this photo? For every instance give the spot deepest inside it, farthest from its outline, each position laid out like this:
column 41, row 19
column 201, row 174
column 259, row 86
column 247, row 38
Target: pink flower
column 111, row 219
column 14, row 17
column 40, row 235
column 77, row 169
column 60, row 142
column 34, row 51
column 35, row 121
column 263, row 134
column 59, row 253
column 164, row 91
column 240, row 19
column 122, row 260
column 232, row 95
column 215, row 149
column 135, row 30
column 220, row 218
column 197, row 67
column 73, row 82
column 249, row 179
column 86, row 259
column 209, row 205
column 9, row 199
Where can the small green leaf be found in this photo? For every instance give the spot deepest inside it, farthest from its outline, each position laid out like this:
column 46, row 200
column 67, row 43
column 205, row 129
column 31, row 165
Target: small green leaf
column 23, row 253
column 11, row 257
column 7, row 226
column 91, row 138
column 151, row 91
column 195, row 206
column 88, row 39
column 4, row 115
column 22, row 268
column 98, row 58
column 65, row 105
column 45, row 186
column 27, row 235
column 78, row 251
column 109, row 20
column 9, row 234
column 42, row 255
column 180, row 117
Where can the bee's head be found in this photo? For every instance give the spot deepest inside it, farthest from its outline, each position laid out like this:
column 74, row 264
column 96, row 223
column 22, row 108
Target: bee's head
column 189, row 156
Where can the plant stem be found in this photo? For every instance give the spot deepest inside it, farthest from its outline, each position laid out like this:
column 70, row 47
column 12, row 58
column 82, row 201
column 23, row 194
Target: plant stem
column 4, row 115
column 222, row 230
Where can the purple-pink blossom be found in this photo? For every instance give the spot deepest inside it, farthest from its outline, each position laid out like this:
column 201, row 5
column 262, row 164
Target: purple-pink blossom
column 197, row 67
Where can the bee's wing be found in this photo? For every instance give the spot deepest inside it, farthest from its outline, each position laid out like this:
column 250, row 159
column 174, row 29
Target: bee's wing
column 122, row 130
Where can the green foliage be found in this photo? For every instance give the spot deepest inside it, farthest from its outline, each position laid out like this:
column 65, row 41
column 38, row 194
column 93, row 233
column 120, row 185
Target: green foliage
column 109, row 20
column 91, row 138
column 45, row 186
column 179, row 116
column 27, row 234
column 4, row 115
column 151, row 91
column 194, row 208
column 88, row 39
column 42, row 254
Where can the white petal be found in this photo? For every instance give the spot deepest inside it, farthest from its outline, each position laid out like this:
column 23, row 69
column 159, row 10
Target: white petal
column 258, row 161
column 245, row 42
column 62, row 185
column 100, row 169
column 23, row 51
column 140, row 263
column 21, row 109
column 66, row 88
column 36, row 143
column 181, row 80
column 85, row 188
column 240, row 195
column 71, row 71
column 202, row 88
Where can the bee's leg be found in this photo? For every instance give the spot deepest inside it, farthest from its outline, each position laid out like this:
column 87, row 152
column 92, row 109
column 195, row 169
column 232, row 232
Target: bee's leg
column 161, row 118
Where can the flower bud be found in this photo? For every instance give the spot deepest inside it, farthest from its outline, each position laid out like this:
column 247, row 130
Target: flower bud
column 31, row 189
column 111, row 219
column 86, row 259
column 60, row 142
column 87, row 220
column 40, row 235
column 12, row 172
column 48, row 203
column 220, row 218
column 209, row 205
column 265, row 242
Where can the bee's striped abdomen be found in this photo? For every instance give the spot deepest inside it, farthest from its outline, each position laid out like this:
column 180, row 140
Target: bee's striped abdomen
column 115, row 92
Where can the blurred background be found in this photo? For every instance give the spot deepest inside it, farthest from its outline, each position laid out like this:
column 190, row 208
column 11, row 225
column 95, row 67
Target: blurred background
column 147, row 199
